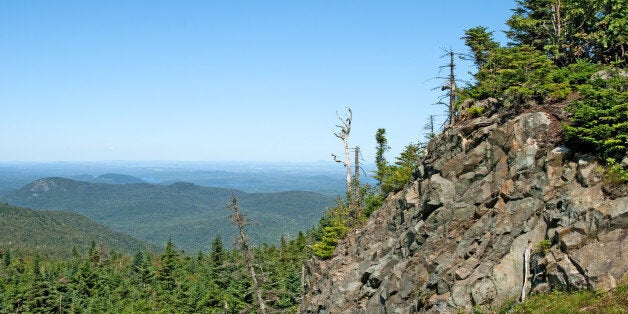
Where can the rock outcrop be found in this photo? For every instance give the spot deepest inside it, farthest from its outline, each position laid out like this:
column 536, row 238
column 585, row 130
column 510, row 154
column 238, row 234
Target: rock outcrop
column 489, row 190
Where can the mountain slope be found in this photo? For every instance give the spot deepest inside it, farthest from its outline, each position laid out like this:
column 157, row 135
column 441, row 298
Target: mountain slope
column 111, row 178
column 56, row 233
column 494, row 196
column 191, row 215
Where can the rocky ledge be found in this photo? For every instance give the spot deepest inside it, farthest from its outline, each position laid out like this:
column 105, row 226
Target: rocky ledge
column 498, row 210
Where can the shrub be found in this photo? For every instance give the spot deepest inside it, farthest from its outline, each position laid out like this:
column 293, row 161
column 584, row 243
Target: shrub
column 615, row 173
column 331, row 228
column 476, row 111
column 543, row 246
column 397, row 175
column 517, row 74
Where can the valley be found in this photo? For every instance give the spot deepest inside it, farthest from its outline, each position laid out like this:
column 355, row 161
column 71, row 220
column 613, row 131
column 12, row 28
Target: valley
column 58, row 234
column 189, row 214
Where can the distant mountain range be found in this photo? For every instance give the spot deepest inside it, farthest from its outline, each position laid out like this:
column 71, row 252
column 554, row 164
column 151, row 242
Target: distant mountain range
column 253, row 177
column 189, row 214
column 111, row 178
column 57, row 233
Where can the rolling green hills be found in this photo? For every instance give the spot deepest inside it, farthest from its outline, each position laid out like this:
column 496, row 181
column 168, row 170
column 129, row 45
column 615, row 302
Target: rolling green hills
column 189, row 214
column 57, row 233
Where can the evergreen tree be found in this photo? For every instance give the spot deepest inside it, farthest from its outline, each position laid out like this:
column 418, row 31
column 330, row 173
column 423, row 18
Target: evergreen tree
column 142, row 269
column 6, row 258
column 400, row 173
column 93, row 254
column 600, row 118
column 217, row 252
column 380, row 160
column 169, row 265
column 568, row 30
column 481, row 43
column 611, row 32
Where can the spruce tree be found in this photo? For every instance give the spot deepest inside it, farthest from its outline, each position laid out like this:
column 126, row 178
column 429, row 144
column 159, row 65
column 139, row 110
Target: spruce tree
column 169, row 264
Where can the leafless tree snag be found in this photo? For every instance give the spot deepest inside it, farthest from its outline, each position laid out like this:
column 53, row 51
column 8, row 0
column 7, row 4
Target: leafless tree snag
column 343, row 134
column 449, row 86
column 240, row 221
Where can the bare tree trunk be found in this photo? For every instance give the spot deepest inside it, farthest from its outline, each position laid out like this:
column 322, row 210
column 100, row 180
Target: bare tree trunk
column 240, row 221
column 356, row 184
column 343, row 134
column 302, row 304
column 356, row 174
column 452, row 87
column 526, row 271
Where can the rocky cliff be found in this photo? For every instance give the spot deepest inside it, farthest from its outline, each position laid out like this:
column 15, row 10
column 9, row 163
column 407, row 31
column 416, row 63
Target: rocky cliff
column 497, row 210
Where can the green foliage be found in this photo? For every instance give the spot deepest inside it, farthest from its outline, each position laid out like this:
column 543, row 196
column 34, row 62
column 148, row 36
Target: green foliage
column 141, row 268
column 398, row 174
column 168, row 283
column 476, row 111
column 56, row 233
column 372, row 200
column 380, row 161
column 599, row 121
column 332, row 227
column 611, row 32
column 543, row 246
column 568, row 30
column 394, row 177
column 169, row 266
column 577, row 73
column 615, row 173
column 481, row 43
column 516, row 75
column 615, row 301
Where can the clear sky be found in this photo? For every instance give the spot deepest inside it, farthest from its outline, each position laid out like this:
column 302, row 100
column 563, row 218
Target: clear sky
column 222, row 80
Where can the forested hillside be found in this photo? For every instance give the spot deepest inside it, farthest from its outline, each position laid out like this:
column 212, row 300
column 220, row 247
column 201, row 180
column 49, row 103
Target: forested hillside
column 57, row 234
column 190, row 215
column 215, row 281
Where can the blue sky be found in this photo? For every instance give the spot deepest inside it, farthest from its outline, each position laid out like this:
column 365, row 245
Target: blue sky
column 222, row 80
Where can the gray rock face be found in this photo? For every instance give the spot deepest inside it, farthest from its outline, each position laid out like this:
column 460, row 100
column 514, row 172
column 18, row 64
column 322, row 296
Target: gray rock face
column 456, row 237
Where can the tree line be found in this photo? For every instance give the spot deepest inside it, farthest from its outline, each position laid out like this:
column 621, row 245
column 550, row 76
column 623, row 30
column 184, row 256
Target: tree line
column 102, row 280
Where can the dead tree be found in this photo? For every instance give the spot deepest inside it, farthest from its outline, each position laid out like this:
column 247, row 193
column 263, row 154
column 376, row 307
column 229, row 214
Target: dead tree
column 429, row 127
column 343, row 135
column 450, row 86
column 356, row 172
column 355, row 197
column 240, row 221
column 526, row 271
